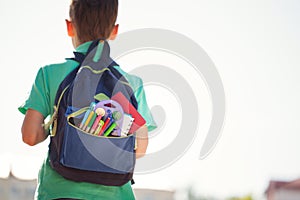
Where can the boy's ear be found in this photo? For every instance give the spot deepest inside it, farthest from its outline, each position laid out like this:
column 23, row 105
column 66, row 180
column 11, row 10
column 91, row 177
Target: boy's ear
column 114, row 32
column 70, row 28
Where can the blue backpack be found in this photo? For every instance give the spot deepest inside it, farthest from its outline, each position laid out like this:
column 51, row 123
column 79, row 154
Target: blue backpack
column 76, row 153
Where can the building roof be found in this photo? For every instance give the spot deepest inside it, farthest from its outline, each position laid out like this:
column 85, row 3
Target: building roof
column 293, row 185
column 287, row 185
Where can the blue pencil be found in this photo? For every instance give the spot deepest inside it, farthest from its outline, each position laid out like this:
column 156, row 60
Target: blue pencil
column 87, row 115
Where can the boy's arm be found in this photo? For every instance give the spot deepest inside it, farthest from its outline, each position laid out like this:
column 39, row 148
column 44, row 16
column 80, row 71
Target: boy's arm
column 142, row 141
column 32, row 129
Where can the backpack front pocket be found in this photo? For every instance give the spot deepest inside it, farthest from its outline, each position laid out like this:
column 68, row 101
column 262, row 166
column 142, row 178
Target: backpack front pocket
column 84, row 151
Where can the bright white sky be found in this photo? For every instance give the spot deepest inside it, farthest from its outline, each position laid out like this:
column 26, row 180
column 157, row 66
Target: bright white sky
column 255, row 46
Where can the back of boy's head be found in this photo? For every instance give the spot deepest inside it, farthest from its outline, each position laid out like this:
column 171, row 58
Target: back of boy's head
column 93, row 19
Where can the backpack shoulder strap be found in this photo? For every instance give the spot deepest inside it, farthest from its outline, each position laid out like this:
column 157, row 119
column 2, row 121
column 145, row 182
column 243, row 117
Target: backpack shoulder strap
column 79, row 57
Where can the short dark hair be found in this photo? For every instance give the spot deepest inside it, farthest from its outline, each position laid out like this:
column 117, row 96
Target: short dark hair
column 93, row 19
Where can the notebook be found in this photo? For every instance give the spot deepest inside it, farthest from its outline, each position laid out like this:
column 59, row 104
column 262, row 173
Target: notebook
column 130, row 109
column 126, row 125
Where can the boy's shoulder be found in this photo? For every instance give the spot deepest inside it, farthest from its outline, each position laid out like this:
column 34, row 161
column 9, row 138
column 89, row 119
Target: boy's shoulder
column 53, row 74
column 58, row 70
column 60, row 66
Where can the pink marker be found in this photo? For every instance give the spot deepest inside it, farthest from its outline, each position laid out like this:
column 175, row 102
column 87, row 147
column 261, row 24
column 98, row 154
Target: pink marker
column 100, row 112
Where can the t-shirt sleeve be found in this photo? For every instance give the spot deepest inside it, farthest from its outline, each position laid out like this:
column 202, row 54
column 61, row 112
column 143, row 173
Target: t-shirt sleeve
column 143, row 108
column 38, row 98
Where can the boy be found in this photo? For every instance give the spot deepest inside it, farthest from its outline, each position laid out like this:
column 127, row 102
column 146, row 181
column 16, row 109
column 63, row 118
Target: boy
column 89, row 20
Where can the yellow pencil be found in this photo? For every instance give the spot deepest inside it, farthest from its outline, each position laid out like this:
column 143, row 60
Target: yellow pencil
column 88, row 120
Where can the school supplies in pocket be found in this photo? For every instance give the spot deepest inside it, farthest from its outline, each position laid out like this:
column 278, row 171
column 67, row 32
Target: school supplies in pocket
column 105, row 118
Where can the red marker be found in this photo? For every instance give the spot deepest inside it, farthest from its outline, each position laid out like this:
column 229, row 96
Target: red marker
column 104, row 126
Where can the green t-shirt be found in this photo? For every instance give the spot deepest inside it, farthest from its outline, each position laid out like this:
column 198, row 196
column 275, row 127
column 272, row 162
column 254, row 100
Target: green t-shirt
column 51, row 185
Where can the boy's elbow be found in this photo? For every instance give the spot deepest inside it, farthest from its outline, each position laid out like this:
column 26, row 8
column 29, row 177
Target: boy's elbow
column 140, row 154
column 32, row 131
column 28, row 137
column 142, row 142
column 141, row 148
column 28, row 141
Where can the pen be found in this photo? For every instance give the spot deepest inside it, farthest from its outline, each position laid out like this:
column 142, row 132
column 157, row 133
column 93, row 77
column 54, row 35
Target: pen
column 110, row 129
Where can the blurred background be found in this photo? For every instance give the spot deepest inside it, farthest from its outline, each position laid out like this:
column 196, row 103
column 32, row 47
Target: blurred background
column 255, row 47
